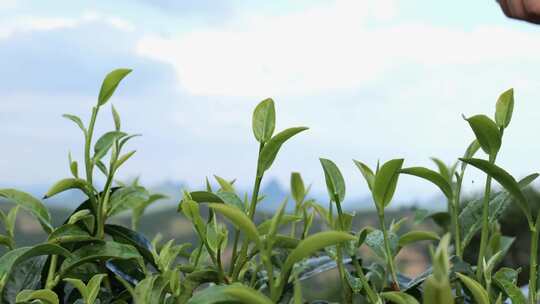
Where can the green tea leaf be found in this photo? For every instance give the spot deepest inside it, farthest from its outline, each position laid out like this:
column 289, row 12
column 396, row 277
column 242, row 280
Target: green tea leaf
column 31, row 204
column 443, row 169
column 487, row 133
column 434, row 177
column 127, row 198
column 264, row 227
column 399, row 297
column 473, row 147
column 375, row 241
column 416, row 236
column 506, row 180
column 436, row 291
column 110, row 83
column 205, row 197
column 76, row 120
column 504, row 108
column 123, row 158
column 45, row 295
column 479, row 293
column 69, row 233
column 386, row 182
column 224, row 184
column 105, row 142
column 19, row 255
column 67, row 184
column 334, row 180
column 116, row 118
column 99, row 252
column 264, row 120
column 238, row 218
column 369, row 176
column 298, row 190
column 504, row 281
column 314, row 243
column 235, row 293
column 271, row 148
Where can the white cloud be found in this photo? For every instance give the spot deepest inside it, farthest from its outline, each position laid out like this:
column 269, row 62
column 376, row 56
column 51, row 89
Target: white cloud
column 323, row 48
column 24, row 23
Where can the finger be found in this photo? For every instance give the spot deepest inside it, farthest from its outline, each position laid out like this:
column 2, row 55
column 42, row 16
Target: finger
column 532, row 7
column 505, row 8
column 517, row 9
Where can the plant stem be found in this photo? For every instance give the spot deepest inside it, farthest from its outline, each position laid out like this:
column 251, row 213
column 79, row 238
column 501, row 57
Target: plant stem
column 252, row 209
column 389, row 257
column 234, row 251
column 347, row 294
column 89, row 165
column 52, row 270
column 455, row 216
column 533, row 277
column 485, row 226
column 372, row 296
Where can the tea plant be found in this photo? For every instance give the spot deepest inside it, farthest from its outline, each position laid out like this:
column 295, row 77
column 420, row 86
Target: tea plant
column 88, row 260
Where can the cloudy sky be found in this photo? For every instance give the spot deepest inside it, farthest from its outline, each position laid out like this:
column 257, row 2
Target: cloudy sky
column 373, row 79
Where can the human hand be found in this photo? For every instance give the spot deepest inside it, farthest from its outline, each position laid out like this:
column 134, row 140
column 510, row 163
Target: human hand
column 527, row 10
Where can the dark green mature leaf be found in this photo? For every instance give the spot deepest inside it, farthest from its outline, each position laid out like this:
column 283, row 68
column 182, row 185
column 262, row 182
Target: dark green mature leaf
column 31, row 204
column 314, row 243
column 506, row 180
column 67, row 184
column 99, row 252
column 205, row 197
column 105, row 142
column 504, row 108
column 369, row 176
column 271, row 148
column 264, row 120
column 436, row 178
column 110, row 83
column 127, row 236
column 235, row 293
column 19, row 255
column 298, row 190
column 386, row 182
column 335, row 184
column 127, row 198
column 479, row 293
column 487, row 133
column 238, row 218
column 399, row 297
column 76, row 120
column 24, row 275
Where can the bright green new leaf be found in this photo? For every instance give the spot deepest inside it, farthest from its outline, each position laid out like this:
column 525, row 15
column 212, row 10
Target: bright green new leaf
column 399, row 297
column 31, row 204
column 238, row 218
column 473, row 147
column 76, row 120
column 105, row 142
column 369, row 176
column 385, row 183
column 110, row 83
column 436, row 291
column 123, row 158
column 264, row 120
column 264, row 227
column 116, row 118
column 224, row 184
column 235, row 293
column 504, row 108
column 503, row 280
column 89, row 291
column 44, row 295
column 314, row 243
column 487, row 133
column 276, row 219
column 298, row 190
column 443, row 169
column 334, row 180
column 416, row 236
column 506, row 180
column 205, row 197
column 271, row 148
column 434, row 177
column 67, row 184
column 480, row 295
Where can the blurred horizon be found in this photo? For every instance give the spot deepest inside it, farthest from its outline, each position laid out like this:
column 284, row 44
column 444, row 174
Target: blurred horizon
column 373, row 80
